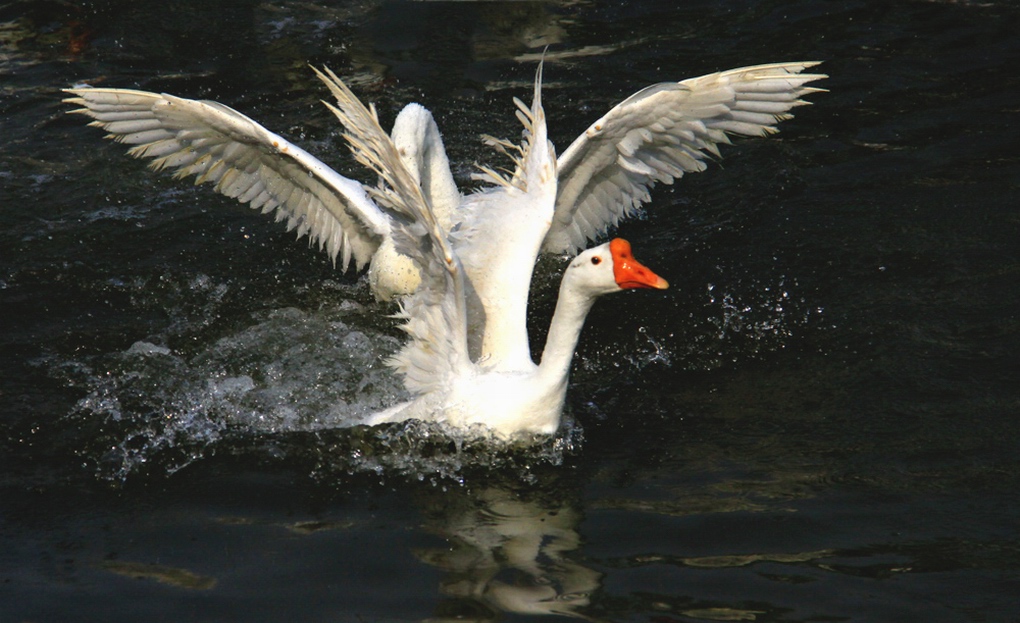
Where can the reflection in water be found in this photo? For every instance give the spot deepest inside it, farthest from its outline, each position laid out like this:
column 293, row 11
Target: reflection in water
column 160, row 573
column 507, row 552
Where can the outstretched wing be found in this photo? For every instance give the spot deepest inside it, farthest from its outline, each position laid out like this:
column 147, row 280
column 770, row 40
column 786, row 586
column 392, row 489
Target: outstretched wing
column 435, row 314
column 243, row 160
column 660, row 133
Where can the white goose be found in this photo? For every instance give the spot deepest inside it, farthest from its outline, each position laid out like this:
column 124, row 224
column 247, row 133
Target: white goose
column 503, row 390
column 468, row 361
column 655, row 135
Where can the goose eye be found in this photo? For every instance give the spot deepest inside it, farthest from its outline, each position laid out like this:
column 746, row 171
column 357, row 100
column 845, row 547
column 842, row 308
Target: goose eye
column 596, row 260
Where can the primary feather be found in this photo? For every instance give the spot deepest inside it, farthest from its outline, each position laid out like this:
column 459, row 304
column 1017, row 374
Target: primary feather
column 660, row 133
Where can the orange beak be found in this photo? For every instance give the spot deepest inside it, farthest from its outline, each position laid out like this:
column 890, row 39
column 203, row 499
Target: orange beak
column 630, row 273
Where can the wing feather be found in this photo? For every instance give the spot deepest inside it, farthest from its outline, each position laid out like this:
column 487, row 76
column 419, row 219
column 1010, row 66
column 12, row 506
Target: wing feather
column 660, row 133
column 243, row 160
column 435, row 315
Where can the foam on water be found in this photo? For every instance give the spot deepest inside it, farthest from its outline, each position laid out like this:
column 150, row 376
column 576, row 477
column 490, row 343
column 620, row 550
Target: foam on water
column 294, row 384
column 289, row 371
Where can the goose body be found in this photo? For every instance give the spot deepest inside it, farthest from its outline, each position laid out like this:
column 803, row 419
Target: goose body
column 501, row 388
column 527, row 397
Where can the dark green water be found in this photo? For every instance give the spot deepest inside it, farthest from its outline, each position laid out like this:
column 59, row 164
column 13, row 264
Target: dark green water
column 819, row 421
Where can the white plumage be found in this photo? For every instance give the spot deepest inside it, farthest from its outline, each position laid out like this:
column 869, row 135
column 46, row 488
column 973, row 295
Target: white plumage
column 653, row 136
column 468, row 360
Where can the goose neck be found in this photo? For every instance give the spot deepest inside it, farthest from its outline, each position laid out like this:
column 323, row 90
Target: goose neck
column 572, row 308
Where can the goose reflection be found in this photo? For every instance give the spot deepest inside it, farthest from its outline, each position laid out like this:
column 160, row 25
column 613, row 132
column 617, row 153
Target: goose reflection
column 508, row 551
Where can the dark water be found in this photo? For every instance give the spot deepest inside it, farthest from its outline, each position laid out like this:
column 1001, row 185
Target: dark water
column 819, row 421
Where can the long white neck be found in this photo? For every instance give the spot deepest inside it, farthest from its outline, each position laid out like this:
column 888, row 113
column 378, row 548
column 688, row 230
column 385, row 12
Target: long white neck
column 572, row 308
column 437, row 180
column 429, row 163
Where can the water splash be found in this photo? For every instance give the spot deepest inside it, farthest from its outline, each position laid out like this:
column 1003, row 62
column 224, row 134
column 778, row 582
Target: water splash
column 293, row 385
column 433, row 453
column 746, row 321
column 289, row 371
column 654, row 352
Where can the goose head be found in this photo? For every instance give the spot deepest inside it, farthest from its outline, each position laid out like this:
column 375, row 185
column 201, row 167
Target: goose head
column 610, row 267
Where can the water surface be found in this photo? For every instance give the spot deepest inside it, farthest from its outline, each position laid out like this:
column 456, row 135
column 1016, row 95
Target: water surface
column 817, row 422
